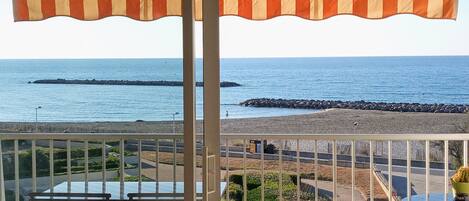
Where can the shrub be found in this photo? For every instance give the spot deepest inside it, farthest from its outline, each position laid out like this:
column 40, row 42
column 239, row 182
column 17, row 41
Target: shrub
column 271, row 190
column 112, row 162
column 236, row 191
column 270, row 149
column 236, row 179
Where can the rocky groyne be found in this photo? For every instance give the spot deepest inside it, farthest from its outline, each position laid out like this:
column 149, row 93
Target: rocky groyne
column 127, row 82
column 358, row 105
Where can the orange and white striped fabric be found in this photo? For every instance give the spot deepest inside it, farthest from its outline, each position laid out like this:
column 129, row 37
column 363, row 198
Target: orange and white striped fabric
column 145, row 10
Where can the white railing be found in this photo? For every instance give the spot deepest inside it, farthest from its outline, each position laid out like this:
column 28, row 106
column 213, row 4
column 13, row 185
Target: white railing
column 231, row 150
column 85, row 139
column 353, row 139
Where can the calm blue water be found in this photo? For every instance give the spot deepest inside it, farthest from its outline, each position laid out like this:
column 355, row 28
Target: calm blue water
column 389, row 79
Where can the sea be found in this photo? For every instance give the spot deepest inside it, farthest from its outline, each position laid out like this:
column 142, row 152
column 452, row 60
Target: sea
column 439, row 79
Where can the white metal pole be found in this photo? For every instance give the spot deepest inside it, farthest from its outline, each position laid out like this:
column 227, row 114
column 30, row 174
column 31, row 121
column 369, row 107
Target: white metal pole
column 17, row 172
column 86, row 166
column 280, row 164
column 51, row 166
column 103, row 161
column 334, row 170
column 446, row 170
column 2, row 179
column 227, row 155
column 353, row 168
column 298, row 179
column 390, row 197
column 121, row 168
column 316, row 171
column 33, row 164
column 427, row 170
column 157, row 167
column 245, row 176
column 69, row 167
column 372, row 177
column 465, row 153
column 409, row 170
column 262, row 171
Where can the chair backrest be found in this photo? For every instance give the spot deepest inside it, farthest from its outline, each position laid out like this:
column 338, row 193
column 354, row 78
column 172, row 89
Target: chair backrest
column 159, row 196
column 69, row 196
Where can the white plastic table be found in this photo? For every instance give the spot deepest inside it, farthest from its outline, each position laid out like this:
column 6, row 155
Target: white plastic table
column 433, row 197
column 114, row 188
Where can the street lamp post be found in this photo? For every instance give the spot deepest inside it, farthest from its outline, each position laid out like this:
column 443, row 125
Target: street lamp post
column 174, row 122
column 174, row 151
column 37, row 108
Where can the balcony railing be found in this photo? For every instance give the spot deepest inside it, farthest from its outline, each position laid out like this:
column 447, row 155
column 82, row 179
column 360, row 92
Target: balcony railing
column 294, row 155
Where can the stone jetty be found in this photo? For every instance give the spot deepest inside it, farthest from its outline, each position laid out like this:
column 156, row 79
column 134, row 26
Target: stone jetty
column 127, row 82
column 358, row 105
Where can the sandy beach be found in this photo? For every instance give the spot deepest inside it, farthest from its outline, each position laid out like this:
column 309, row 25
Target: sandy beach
column 335, row 121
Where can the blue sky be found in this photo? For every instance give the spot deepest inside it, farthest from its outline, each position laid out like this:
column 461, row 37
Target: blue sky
column 119, row 37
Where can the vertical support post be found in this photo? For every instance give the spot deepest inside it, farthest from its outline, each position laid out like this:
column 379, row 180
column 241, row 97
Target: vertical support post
column 372, row 177
column 51, row 166
column 103, row 161
column 334, row 170
column 280, row 175
column 446, row 170
column 87, row 166
column 427, row 170
column 262, row 171
column 245, row 176
column 157, row 166
column 189, row 101
column 298, row 181
column 121, row 168
column 2, row 179
column 390, row 170
column 465, row 153
column 409, row 170
column 139, row 166
column 211, row 62
column 17, row 172
column 174, row 164
column 227, row 155
column 69, row 167
column 316, row 171
column 33, row 165
column 353, row 168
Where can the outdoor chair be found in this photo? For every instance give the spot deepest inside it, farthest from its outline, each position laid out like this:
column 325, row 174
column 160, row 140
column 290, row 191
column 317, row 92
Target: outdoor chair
column 69, row 196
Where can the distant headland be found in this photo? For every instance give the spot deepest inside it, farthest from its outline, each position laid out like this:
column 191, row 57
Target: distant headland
column 126, row 82
column 358, row 105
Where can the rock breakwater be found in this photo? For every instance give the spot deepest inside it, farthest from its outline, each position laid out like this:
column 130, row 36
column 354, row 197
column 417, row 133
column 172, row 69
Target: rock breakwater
column 358, row 105
column 127, row 82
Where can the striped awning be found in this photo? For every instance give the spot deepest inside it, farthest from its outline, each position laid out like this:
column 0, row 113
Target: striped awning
column 145, row 10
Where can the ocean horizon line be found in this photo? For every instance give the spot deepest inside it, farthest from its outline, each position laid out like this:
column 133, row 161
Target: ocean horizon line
column 227, row 58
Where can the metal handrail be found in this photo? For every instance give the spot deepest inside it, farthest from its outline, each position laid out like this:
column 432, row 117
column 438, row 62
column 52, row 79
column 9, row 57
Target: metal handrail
column 87, row 136
column 330, row 137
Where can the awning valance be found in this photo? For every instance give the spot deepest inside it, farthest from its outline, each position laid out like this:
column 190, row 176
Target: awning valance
column 145, row 10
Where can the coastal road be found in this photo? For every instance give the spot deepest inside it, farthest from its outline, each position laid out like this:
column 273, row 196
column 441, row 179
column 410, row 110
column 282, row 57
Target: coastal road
column 323, row 158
